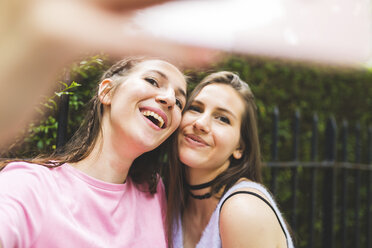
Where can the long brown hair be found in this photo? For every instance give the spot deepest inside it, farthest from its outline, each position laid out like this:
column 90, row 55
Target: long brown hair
column 143, row 170
column 249, row 166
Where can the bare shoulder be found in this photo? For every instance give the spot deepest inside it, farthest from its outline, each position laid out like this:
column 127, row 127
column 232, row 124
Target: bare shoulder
column 247, row 206
column 247, row 221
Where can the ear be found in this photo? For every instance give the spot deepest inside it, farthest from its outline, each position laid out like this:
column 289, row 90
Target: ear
column 104, row 91
column 238, row 153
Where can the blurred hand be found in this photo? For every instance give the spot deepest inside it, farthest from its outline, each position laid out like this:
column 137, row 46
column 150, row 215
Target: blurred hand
column 39, row 37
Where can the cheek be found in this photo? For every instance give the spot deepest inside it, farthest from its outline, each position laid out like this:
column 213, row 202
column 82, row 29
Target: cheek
column 181, row 146
column 220, row 136
column 177, row 117
column 234, row 144
column 226, row 139
column 179, row 138
column 186, row 120
column 184, row 155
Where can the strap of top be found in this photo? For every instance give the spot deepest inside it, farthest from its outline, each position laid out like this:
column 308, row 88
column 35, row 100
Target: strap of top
column 263, row 199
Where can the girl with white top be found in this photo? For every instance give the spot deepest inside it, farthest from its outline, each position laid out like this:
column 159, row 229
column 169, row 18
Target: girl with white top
column 215, row 196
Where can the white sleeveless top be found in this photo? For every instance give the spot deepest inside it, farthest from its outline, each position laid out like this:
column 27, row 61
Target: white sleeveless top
column 211, row 234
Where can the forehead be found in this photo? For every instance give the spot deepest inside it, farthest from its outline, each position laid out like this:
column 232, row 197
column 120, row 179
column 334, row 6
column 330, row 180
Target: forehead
column 221, row 96
column 159, row 65
column 164, row 70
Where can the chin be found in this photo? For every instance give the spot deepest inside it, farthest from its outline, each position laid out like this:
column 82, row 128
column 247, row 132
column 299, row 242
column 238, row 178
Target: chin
column 190, row 161
column 149, row 146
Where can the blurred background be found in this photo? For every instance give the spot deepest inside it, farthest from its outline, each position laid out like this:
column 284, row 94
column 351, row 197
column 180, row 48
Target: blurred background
column 283, row 90
column 310, row 68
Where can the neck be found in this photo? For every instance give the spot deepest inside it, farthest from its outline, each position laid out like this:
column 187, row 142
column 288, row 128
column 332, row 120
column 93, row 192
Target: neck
column 192, row 189
column 200, row 211
column 110, row 159
column 198, row 176
column 197, row 213
column 103, row 167
column 201, row 186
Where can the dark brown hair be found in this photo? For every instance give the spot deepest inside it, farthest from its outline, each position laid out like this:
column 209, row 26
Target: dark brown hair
column 143, row 170
column 248, row 166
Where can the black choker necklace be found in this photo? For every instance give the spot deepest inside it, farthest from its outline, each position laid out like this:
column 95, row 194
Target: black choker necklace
column 200, row 197
column 201, row 186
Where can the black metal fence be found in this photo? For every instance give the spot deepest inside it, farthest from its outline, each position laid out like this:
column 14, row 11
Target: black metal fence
column 329, row 200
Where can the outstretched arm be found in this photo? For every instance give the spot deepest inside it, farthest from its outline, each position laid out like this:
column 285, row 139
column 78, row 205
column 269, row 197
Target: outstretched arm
column 39, row 37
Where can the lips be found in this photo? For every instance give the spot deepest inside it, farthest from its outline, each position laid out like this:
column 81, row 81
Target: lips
column 195, row 140
column 156, row 116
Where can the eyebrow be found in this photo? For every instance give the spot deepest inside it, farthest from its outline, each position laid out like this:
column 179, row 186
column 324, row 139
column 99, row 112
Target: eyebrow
column 182, row 92
column 160, row 73
column 218, row 109
column 179, row 90
column 227, row 111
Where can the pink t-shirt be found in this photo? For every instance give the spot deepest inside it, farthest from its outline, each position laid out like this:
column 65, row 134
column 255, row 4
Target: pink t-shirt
column 63, row 207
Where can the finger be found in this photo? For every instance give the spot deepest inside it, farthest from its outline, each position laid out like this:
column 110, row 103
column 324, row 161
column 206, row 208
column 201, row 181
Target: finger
column 126, row 5
column 93, row 29
column 145, row 44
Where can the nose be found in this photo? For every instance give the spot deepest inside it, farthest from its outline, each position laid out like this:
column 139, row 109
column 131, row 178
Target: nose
column 202, row 124
column 167, row 98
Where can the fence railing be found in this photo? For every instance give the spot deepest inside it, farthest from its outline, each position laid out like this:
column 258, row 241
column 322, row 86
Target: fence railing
column 330, row 200
column 336, row 199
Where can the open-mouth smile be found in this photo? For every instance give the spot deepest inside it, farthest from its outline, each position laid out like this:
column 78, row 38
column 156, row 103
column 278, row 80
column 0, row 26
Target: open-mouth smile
column 156, row 118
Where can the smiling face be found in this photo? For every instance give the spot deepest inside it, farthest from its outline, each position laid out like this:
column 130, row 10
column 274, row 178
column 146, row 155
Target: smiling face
column 210, row 131
column 145, row 108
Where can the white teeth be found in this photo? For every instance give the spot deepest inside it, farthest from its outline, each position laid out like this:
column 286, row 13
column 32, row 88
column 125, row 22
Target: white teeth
column 156, row 116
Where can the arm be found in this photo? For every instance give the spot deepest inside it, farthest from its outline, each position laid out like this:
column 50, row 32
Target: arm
column 39, row 37
column 23, row 203
column 247, row 221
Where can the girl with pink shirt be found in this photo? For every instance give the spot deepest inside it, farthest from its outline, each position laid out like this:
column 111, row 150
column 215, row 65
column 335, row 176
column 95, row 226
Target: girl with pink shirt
column 102, row 189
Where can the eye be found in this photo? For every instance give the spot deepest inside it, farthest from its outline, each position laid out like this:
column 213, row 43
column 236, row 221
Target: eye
column 194, row 108
column 179, row 104
column 224, row 119
column 152, row 82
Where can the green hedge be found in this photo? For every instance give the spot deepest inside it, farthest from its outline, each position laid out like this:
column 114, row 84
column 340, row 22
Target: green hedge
column 312, row 89
column 78, row 81
column 343, row 93
column 327, row 91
